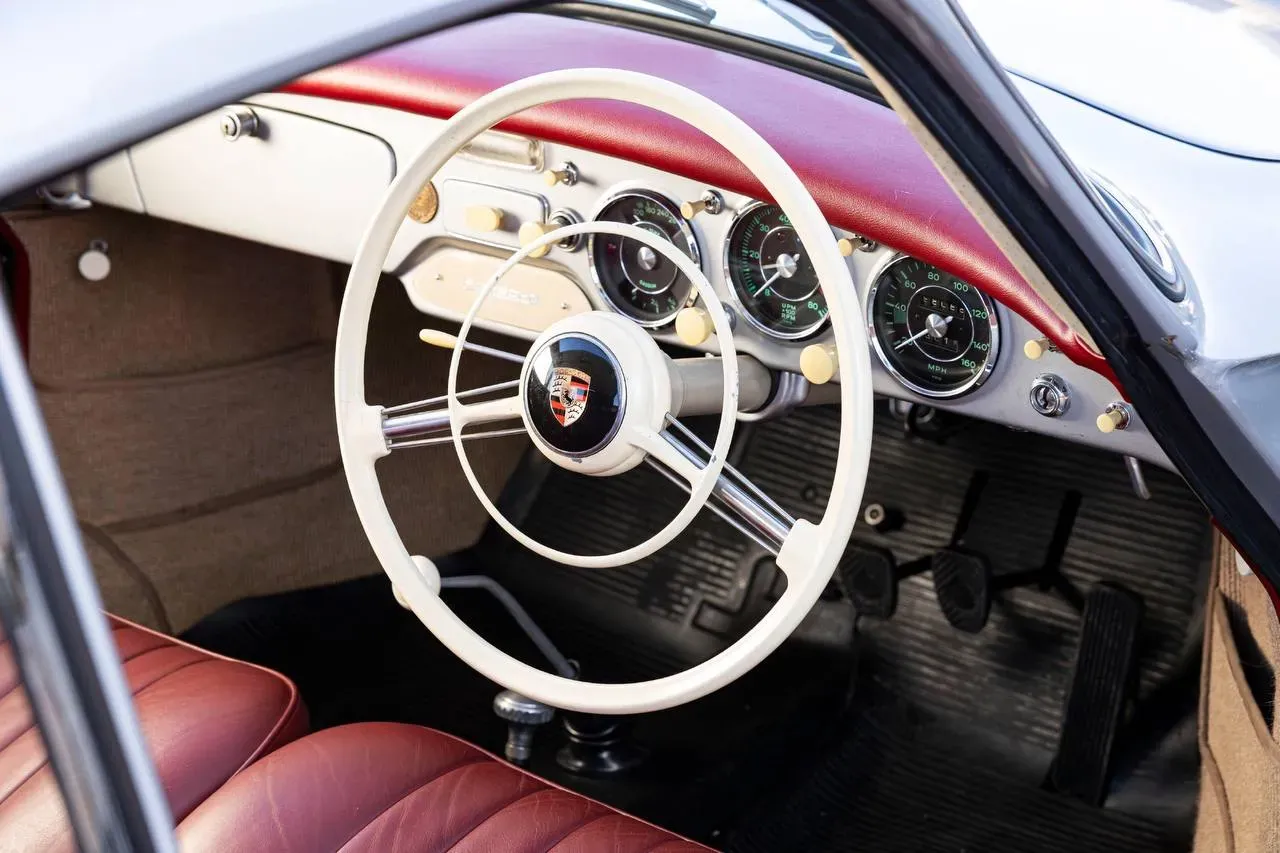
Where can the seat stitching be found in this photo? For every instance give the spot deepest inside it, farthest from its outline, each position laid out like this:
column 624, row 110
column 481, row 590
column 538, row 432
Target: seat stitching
column 136, row 693
column 479, row 759
column 169, row 674
column 491, row 815
column 25, row 779
column 18, row 735
column 142, row 654
column 574, row 830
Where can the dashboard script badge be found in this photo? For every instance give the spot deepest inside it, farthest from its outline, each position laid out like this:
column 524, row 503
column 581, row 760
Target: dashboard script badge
column 569, row 389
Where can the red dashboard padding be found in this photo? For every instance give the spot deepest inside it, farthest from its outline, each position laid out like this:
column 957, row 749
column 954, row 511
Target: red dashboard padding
column 857, row 158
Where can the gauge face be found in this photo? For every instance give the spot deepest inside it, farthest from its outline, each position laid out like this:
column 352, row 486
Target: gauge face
column 772, row 277
column 636, row 279
column 937, row 334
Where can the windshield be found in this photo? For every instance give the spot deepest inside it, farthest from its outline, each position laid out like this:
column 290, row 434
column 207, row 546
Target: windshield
column 773, row 21
column 1226, row 100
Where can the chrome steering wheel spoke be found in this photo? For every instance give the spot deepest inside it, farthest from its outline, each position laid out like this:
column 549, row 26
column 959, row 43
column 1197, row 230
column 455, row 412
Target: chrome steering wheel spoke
column 425, row 423
column 679, row 455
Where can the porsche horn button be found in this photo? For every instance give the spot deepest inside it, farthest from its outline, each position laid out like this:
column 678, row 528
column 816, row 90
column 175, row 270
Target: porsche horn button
column 569, row 390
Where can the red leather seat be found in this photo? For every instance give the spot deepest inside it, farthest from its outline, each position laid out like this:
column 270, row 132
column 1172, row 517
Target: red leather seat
column 395, row 788
column 205, row 718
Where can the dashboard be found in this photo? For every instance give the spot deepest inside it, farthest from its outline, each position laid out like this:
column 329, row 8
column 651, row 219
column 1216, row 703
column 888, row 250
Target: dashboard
column 313, row 181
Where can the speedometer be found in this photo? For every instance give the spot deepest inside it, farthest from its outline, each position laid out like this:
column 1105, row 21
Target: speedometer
column 771, row 275
column 938, row 335
column 635, row 279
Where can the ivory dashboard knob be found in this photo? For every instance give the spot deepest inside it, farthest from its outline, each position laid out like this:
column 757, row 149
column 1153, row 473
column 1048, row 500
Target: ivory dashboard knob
column 1037, row 348
column 848, row 245
column 711, row 201
column 565, row 173
column 819, row 364
column 481, row 217
column 531, row 231
column 693, row 326
column 1115, row 416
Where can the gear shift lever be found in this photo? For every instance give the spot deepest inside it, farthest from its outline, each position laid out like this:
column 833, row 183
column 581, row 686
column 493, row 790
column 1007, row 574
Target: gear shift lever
column 523, row 716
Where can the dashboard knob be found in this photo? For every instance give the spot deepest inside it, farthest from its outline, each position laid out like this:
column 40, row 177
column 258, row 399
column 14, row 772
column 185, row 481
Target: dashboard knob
column 1037, row 348
column 531, row 231
column 481, row 217
column 426, row 205
column 1115, row 416
column 819, row 364
column 848, row 245
column 711, row 201
column 239, row 123
column 693, row 326
column 565, row 173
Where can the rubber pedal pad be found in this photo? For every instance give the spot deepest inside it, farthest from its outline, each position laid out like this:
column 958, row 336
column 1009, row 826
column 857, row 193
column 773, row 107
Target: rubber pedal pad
column 1098, row 693
column 962, row 583
column 870, row 579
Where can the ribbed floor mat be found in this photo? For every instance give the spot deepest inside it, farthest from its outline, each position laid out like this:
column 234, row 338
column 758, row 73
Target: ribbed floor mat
column 902, row 782
column 995, row 698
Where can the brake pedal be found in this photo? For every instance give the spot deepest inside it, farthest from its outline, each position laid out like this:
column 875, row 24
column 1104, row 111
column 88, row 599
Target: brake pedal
column 1098, row 692
column 962, row 582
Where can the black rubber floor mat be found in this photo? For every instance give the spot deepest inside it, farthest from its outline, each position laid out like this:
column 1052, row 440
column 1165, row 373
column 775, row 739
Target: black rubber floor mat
column 905, row 781
column 1004, row 686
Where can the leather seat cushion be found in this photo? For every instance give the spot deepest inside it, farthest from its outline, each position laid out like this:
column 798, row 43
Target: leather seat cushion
column 406, row 789
column 204, row 717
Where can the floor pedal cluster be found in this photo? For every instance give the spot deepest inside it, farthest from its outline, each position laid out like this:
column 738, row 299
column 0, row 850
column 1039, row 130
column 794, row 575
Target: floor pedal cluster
column 969, row 575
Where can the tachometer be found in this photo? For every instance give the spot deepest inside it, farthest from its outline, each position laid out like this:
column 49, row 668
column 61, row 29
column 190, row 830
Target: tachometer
column 634, row 278
column 771, row 275
column 938, row 335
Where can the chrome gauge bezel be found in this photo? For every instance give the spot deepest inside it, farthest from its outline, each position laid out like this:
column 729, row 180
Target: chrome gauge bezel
column 685, row 229
column 975, row 382
column 732, row 289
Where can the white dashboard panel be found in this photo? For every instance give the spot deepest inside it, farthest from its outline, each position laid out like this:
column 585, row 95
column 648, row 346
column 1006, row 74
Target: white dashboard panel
column 302, row 183
column 329, row 218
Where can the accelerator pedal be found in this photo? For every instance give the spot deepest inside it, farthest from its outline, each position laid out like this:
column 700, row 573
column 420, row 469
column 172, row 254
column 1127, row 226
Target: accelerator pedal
column 1098, row 692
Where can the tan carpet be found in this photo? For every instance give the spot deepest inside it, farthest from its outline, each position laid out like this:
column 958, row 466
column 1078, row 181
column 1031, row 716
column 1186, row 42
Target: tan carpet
column 1239, row 742
column 189, row 397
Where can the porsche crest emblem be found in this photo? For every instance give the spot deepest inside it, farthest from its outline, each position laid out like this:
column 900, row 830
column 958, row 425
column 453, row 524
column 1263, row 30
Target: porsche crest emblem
column 569, row 389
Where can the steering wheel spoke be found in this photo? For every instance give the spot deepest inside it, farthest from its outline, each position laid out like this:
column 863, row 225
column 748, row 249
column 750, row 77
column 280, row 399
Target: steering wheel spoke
column 674, row 456
column 681, row 456
column 426, row 422
column 498, row 409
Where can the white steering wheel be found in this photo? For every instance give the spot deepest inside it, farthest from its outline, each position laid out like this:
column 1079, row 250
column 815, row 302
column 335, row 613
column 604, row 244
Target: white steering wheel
column 598, row 396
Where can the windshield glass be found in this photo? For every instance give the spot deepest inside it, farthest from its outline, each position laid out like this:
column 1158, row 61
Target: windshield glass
column 773, row 21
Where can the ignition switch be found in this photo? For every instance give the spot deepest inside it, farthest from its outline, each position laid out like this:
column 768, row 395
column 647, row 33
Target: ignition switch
column 1050, row 396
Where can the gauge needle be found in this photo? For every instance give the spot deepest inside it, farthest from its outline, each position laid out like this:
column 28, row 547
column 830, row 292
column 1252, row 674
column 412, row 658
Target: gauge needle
column 770, row 281
column 786, row 265
column 933, row 325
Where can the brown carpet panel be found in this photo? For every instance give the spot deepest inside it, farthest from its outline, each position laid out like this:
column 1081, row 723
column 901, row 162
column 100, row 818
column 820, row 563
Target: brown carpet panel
column 189, row 398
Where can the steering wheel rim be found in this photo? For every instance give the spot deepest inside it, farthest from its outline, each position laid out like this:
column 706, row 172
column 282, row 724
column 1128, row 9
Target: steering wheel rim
column 810, row 552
